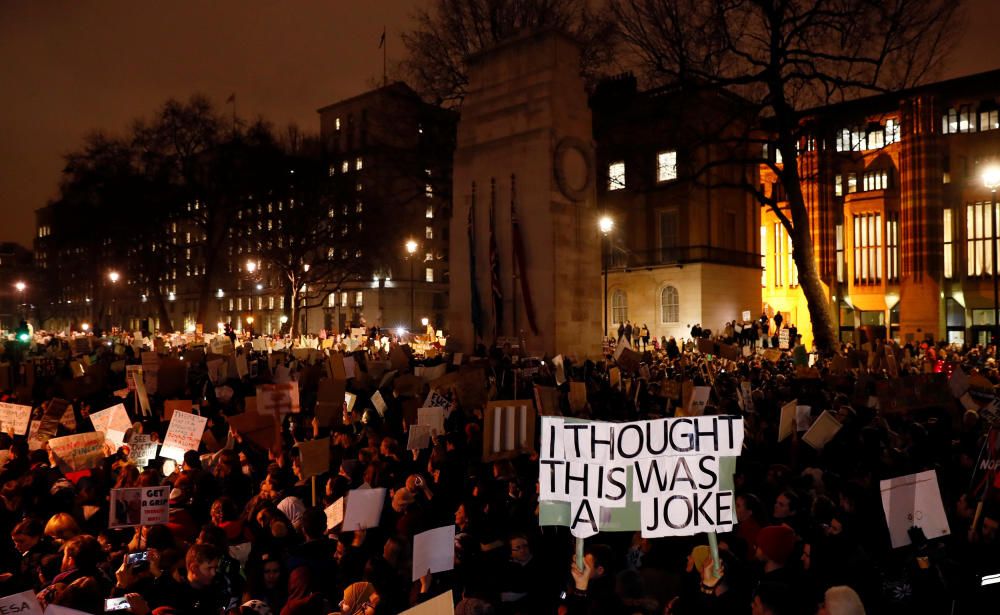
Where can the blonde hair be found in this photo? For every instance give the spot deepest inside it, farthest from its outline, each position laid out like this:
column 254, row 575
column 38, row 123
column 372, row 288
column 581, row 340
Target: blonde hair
column 62, row 527
column 842, row 600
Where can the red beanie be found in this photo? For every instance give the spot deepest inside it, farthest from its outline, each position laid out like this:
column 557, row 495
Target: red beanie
column 776, row 542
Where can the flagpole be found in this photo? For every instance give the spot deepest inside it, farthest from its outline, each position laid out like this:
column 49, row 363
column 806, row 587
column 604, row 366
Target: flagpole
column 385, row 45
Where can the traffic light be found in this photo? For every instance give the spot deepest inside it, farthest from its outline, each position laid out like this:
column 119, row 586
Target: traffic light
column 23, row 334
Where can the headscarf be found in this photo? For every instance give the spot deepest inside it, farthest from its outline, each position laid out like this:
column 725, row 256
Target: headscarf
column 356, row 595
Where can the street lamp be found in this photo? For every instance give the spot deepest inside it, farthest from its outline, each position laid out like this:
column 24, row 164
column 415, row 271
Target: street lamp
column 251, row 266
column 20, row 286
column 114, row 276
column 411, row 249
column 606, row 224
column 991, row 178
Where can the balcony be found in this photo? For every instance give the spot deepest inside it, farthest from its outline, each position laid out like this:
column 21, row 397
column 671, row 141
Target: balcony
column 681, row 255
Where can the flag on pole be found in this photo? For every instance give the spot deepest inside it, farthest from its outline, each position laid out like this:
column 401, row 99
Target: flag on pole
column 477, row 316
column 497, row 289
column 381, row 40
column 522, row 270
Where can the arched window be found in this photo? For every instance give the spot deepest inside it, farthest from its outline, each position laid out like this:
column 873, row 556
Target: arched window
column 669, row 305
column 619, row 307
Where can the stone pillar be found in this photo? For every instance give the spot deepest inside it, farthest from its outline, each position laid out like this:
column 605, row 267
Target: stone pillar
column 525, row 139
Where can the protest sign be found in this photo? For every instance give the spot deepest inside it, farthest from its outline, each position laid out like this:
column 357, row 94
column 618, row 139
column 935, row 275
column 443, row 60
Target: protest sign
column 418, row 437
column 398, row 358
column 314, row 457
column 140, row 392
column 786, row 424
column 457, row 358
column 428, row 374
column 436, row 399
column 14, row 416
column 822, row 431
column 706, row 346
column 217, row 371
column 151, row 370
column 771, row 354
column 260, row 429
column 280, row 398
column 335, row 366
column 508, row 429
column 434, row 551
column 913, row 501
column 114, row 422
column 24, row 603
column 330, row 397
column 242, row 367
column 350, row 367
column 676, row 473
column 577, row 396
column 628, row 360
column 132, row 373
column 171, row 379
column 183, row 434
column 131, row 507
column 350, row 399
column 379, row 403
column 698, row 400
column 363, row 509
column 959, row 382
column 173, row 405
column 334, row 514
column 79, row 451
column 443, row 604
column 783, row 339
column 407, row 385
column 546, row 401
column 432, row 418
column 141, row 448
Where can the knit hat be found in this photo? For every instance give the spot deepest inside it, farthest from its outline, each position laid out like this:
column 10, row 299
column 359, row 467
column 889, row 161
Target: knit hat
column 776, row 542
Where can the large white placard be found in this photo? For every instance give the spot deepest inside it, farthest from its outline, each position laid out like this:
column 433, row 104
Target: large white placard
column 183, row 434
column 913, row 500
column 14, row 416
column 364, row 508
column 434, row 551
column 114, row 422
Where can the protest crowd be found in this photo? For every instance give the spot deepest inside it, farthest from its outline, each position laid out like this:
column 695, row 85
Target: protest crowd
column 362, row 473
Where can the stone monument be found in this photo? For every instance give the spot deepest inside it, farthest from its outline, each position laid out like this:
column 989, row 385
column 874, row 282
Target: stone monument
column 524, row 244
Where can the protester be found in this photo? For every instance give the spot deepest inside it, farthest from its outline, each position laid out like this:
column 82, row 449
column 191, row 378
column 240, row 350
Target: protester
column 249, row 526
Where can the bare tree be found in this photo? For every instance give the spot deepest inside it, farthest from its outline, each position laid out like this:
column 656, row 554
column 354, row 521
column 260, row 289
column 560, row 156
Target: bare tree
column 785, row 57
column 450, row 31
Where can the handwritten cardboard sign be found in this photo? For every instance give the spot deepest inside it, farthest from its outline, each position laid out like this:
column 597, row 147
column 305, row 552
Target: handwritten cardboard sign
column 314, row 457
column 183, row 434
column 508, row 429
column 14, row 416
column 79, row 451
column 114, row 422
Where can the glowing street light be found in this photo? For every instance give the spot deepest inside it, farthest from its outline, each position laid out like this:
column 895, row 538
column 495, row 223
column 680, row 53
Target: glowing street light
column 606, row 224
column 114, row 276
column 283, row 319
column 251, row 266
column 20, row 286
column 411, row 249
column 424, row 321
column 85, row 326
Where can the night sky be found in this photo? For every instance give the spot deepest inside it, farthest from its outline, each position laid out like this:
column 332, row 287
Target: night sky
column 72, row 67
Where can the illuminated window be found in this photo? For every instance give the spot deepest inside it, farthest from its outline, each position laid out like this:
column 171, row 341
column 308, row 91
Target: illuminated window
column 892, row 247
column 989, row 120
column 875, row 180
column 891, row 131
column 343, row 299
column 358, row 164
column 979, row 228
column 619, row 307
column 429, row 232
column 852, row 183
column 838, row 185
column 429, row 274
column 359, row 299
column 779, row 254
column 669, row 305
column 616, row 176
column 840, row 252
column 868, row 248
column 949, row 122
column 428, row 190
column 430, row 212
column 793, row 269
column 345, row 166
column 336, row 124
column 966, row 121
column 666, row 166
column 949, row 266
